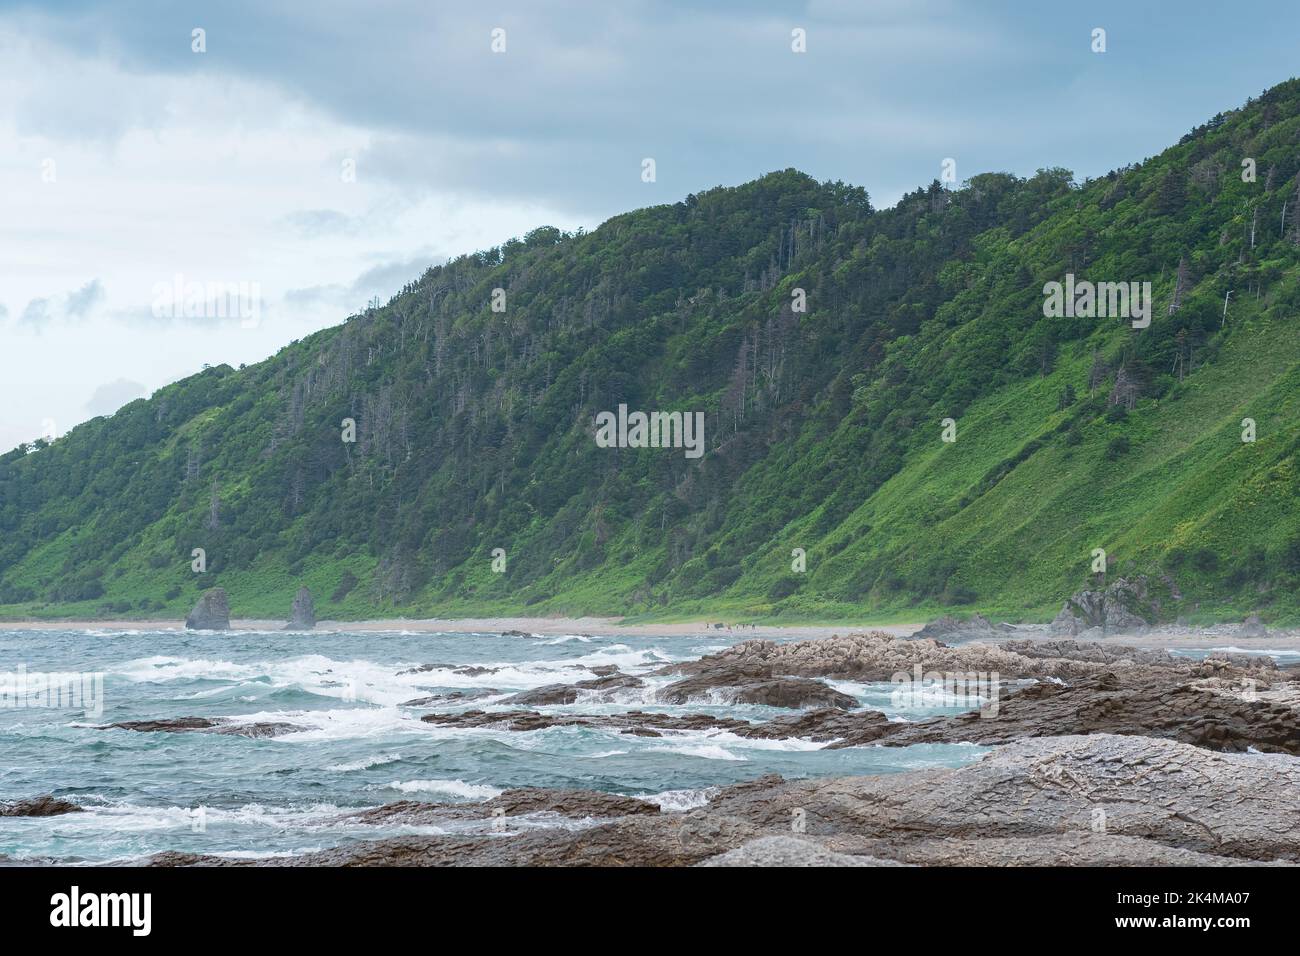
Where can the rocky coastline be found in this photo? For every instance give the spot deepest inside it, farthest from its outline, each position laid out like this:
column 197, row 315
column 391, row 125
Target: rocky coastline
column 1101, row 754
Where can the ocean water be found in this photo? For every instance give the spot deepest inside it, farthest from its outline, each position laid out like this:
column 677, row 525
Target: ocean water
column 359, row 746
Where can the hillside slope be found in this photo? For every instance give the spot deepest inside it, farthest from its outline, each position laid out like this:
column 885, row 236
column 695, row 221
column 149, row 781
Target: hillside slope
column 475, row 429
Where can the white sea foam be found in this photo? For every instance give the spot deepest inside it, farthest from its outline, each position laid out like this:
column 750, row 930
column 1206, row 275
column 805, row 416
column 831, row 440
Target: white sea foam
column 122, row 817
column 338, row 724
column 449, row 788
column 679, row 801
column 708, row 751
column 365, row 763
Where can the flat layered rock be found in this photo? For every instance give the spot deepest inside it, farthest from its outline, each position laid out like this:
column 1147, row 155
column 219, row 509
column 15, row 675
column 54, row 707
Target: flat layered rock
column 769, row 691
column 206, row 725
column 1206, row 716
column 790, row 851
column 569, row 693
column 1236, row 806
column 1111, row 654
column 574, row 804
column 1076, row 848
column 636, row 722
column 877, row 656
column 1077, row 800
column 453, row 697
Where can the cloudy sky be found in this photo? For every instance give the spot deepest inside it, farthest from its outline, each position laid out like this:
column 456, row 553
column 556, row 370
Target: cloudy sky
column 320, row 154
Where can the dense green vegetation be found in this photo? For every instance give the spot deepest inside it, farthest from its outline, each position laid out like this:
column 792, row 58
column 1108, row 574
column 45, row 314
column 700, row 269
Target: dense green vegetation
column 475, row 428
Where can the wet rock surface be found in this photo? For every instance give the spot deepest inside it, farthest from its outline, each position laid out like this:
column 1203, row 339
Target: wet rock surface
column 46, row 805
column 637, row 722
column 1225, row 717
column 452, row 697
column 569, row 693
column 1073, row 800
column 206, row 725
column 770, row 691
column 573, row 804
column 1108, row 688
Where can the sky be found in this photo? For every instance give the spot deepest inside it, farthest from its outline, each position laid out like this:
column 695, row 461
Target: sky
column 295, row 160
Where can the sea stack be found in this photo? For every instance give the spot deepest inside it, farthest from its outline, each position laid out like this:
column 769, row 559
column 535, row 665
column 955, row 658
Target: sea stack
column 303, row 616
column 212, row 613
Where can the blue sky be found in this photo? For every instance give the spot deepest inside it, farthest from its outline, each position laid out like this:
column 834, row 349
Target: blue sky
column 226, row 165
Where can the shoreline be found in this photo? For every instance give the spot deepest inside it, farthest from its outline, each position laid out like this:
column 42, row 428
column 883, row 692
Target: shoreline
column 548, row 626
column 1168, row 637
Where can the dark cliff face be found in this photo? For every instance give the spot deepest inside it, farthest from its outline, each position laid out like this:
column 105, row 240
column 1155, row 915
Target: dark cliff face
column 440, row 452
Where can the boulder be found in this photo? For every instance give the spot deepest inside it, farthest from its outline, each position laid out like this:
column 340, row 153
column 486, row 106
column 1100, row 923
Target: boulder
column 1252, row 627
column 212, row 613
column 303, row 615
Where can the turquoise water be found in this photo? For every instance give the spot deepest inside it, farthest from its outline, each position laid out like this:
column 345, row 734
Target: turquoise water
column 359, row 746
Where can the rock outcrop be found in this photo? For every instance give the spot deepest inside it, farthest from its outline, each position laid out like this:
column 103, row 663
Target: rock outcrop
column 877, row 656
column 789, row 851
column 639, row 723
column 1074, row 800
column 771, row 691
column 1252, row 627
column 46, row 805
column 208, row 725
column 1126, row 605
column 1225, row 716
column 571, row 804
column 303, row 615
column 948, row 628
column 550, row 694
column 1183, row 797
column 212, row 613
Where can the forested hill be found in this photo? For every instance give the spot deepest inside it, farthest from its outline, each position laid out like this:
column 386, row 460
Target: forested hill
column 475, row 429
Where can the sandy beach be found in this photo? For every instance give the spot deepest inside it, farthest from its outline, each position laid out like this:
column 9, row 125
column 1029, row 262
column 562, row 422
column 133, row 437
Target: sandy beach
column 1217, row 636
column 489, row 625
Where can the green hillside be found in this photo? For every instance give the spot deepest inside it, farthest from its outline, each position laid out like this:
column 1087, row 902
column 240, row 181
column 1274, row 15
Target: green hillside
column 475, row 428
